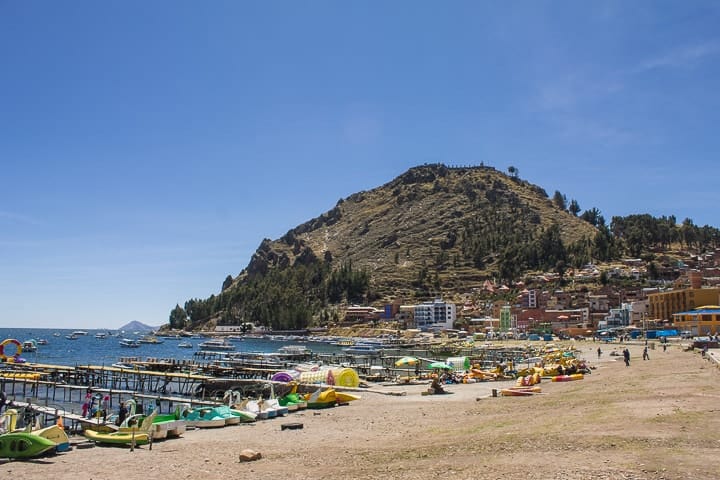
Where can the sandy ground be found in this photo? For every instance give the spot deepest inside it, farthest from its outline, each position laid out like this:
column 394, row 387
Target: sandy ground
column 656, row 419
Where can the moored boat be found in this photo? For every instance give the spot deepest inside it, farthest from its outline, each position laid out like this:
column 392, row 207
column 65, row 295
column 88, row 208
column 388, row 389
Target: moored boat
column 129, row 343
column 216, row 344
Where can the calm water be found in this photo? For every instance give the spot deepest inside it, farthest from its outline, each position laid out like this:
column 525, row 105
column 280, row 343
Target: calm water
column 88, row 350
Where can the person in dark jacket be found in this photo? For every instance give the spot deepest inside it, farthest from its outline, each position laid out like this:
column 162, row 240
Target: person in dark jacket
column 626, row 357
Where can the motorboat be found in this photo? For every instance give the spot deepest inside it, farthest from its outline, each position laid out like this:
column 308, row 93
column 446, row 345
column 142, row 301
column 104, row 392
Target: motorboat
column 362, row 349
column 185, row 345
column 72, row 336
column 129, row 343
column 79, row 332
column 216, row 344
column 151, row 339
column 42, row 341
column 29, row 346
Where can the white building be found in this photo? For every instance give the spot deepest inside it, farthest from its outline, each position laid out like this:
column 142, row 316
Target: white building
column 435, row 315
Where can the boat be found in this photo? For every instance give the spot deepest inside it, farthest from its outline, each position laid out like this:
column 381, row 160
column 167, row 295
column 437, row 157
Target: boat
column 101, row 335
column 72, row 336
column 42, row 341
column 56, row 334
column 518, row 392
column 151, row 340
column 24, row 445
column 130, row 435
column 129, row 343
column 168, row 425
column 321, row 398
column 362, row 349
column 79, row 332
column 29, row 345
column 201, row 417
column 216, row 344
column 54, row 433
column 185, row 345
column 294, row 350
column 568, row 378
column 118, row 438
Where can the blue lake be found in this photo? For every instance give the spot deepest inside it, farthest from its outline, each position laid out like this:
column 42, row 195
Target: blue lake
column 89, row 350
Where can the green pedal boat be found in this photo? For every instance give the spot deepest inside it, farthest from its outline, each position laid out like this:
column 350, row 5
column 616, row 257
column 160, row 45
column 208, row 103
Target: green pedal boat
column 23, row 445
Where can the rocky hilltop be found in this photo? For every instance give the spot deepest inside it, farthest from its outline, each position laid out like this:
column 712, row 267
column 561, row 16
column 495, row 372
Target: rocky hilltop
column 451, row 225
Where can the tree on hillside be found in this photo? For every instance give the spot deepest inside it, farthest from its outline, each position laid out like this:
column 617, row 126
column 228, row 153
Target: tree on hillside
column 178, row 318
column 574, row 207
column 514, row 172
column 560, row 200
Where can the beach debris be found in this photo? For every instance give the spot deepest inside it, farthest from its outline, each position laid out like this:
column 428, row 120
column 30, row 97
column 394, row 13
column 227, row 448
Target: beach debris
column 249, row 455
column 291, row 426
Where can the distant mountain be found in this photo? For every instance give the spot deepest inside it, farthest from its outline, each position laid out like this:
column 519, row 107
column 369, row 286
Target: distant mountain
column 136, row 326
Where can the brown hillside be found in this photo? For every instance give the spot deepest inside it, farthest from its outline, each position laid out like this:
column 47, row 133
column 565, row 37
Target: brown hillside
column 420, row 220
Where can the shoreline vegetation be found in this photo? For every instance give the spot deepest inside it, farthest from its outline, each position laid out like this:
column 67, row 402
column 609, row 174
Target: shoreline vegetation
column 656, row 419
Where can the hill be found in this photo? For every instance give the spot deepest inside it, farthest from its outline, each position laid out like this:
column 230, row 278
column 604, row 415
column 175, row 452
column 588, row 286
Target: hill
column 136, row 326
column 434, row 231
column 453, row 225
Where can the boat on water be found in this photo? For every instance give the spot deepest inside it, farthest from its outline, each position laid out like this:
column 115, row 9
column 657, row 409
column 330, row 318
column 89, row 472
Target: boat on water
column 151, row 340
column 79, row 332
column 129, row 343
column 56, row 334
column 294, row 350
column 362, row 349
column 72, row 336
column 42, row 341
column 185, row 345
column 216, row 344
column 101, row 335
column 29, row 345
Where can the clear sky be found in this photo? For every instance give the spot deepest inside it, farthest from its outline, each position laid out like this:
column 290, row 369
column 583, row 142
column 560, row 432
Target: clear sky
column 147, row 147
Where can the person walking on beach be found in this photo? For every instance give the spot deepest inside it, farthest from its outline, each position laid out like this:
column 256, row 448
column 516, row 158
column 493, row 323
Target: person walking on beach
column 599, row 353
column 645, row 354
column 626, row 357
column 664, row 347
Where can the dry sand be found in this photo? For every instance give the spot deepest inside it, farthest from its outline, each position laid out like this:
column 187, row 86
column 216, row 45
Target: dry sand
column 656, row 419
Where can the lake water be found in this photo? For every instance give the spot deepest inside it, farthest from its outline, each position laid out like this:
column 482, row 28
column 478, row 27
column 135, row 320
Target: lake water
column 89, row 350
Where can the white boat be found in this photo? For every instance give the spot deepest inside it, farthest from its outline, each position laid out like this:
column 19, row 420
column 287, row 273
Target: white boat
column 294, row 350
column 216, row 344
column 56, row 334
column 42, row 341
column 151, row 339
column 362, row 349
column 185, row 345
column 29, row 346
column 101, row 335
column 129, row 343
column 79, row 332
column 72, row 336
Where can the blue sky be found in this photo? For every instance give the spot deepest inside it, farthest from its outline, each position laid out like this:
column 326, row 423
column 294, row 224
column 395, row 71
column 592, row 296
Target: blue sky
column 148, row 147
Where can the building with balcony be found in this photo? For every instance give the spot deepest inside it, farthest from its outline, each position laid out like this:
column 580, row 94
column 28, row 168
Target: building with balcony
column 435, row 315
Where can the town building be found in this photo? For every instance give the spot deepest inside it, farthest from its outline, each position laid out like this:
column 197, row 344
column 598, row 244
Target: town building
column 700, row 321
column 435, row 315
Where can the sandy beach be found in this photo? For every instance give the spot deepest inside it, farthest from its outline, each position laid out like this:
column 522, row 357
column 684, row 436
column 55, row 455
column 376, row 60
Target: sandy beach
column 656, row 419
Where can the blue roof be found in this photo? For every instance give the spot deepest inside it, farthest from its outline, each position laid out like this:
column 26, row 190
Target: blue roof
column 701, row 311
